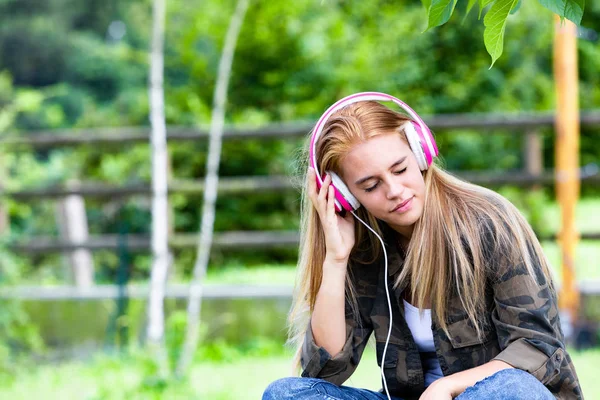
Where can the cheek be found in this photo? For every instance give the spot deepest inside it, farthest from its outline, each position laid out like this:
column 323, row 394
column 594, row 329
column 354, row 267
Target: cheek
column 419, row 184
column 371, row 203
column 422, row 187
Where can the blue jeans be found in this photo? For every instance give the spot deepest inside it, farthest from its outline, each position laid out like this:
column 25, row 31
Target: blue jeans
column 508, row 384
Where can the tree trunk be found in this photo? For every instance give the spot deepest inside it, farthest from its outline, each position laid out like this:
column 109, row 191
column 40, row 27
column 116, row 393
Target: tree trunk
column 210, row 193
column 160, row 249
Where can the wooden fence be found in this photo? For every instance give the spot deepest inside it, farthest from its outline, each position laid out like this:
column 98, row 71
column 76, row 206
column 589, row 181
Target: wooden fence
column 526, row 127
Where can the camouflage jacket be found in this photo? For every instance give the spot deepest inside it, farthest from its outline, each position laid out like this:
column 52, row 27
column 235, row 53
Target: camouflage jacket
column 523, row 330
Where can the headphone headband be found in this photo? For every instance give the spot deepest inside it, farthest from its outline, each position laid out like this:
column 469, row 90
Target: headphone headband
column 365, row 96
column 418, row 134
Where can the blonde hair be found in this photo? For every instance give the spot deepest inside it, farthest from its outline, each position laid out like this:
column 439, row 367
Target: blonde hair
column 450, row 244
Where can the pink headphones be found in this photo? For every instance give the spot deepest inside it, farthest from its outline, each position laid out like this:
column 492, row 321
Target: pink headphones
column 419, row 136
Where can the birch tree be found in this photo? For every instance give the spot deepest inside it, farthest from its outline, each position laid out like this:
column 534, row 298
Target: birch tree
column 160, row 249
column 210, row 192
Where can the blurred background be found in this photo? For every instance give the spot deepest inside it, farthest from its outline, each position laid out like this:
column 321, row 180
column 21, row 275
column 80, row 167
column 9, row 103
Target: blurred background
column 75, row 172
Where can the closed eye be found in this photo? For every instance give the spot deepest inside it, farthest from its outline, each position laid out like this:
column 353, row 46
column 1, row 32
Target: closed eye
column 370, row 189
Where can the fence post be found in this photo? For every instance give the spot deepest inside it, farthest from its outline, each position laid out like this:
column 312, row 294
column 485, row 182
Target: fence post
column 73, row 228
column 534, row 154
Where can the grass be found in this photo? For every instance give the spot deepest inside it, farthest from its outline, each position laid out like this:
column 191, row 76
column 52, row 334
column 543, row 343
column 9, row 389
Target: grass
column 123, row 378
column 266, row 274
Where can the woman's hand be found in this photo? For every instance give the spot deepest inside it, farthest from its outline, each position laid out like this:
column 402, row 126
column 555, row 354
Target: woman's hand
column 339, row 231
column 440, row 389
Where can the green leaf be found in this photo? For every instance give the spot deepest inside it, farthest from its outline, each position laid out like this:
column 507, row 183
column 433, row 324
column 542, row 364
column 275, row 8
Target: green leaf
column 495, row 23
column 569, row 9
column 482, row 5
column 440, row 12
column 469, row 7
column 516, row 7
column 426, row 4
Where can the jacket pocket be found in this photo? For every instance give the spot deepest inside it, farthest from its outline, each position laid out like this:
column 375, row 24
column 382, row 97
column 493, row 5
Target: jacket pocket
column 390, row 365
column 391, row 354
column 463, row 333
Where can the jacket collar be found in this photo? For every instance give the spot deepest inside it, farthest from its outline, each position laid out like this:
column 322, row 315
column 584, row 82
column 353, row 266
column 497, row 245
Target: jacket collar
column 394, row 251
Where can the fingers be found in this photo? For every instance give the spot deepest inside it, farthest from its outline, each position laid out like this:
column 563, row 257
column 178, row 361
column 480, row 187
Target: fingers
column 322, row 196
column 313, row 190
column 318, row 197
column 330, row 202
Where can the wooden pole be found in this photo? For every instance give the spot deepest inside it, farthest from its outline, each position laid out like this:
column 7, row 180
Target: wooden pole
column 567, row 157
column 534, row 152
column 534, row 155
column 73, row 227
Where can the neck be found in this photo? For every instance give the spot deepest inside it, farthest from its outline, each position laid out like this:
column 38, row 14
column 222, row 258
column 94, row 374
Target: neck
column 404, row 235
column 403, row 241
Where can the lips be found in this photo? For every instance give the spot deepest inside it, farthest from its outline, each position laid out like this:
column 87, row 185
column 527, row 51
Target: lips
column 405, row 202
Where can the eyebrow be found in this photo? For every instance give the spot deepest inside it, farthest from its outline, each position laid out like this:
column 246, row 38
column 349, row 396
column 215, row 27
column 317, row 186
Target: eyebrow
column 363, row 180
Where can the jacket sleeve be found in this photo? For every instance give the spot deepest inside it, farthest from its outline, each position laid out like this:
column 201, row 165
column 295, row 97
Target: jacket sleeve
column 527, row 321
column 318, row 363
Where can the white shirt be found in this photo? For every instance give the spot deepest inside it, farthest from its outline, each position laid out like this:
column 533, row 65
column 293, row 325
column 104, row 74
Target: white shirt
column 420, row 327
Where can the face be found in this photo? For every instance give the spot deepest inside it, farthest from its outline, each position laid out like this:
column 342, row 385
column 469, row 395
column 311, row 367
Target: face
column 382, row 173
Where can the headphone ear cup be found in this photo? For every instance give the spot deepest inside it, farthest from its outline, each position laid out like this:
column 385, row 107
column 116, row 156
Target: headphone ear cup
column 347, row 200
column 415, row 145
column 427, row 140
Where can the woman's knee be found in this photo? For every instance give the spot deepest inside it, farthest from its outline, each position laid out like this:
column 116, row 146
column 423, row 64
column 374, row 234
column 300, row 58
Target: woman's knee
column 291, row 388
column 508, row 384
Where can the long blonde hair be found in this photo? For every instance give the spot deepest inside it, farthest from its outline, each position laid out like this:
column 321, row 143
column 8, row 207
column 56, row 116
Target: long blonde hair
column 450, row 244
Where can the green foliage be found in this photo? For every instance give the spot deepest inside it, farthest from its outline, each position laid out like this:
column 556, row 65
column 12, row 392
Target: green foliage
column 470, row 6
column 175, row 335
column 533, row 205
column 222, row 351
column 292, row 61
column 440, row 11
column 495, row 23
column 570, row 9
column 19, row 335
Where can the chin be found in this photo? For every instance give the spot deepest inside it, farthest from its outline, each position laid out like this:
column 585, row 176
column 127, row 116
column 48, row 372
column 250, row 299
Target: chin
column 405, row 220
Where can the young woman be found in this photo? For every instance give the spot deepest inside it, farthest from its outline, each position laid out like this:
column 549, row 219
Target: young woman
column 448, row 276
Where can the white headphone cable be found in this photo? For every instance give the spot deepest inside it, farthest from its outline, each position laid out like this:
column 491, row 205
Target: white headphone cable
column 387, row 292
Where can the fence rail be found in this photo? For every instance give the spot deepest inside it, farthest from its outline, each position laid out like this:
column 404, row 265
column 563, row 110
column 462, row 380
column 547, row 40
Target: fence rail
column 273, row 183
column 135, row 291
column 225, row 240
column 119, row 136
column 100, row 190
column 181, row 291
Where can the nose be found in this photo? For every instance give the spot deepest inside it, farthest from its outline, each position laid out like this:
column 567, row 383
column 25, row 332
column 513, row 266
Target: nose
column 394, row 189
